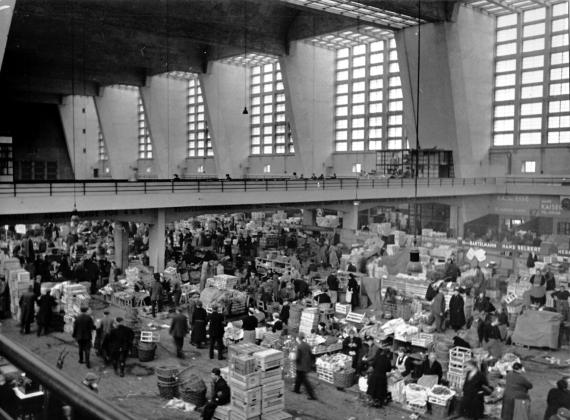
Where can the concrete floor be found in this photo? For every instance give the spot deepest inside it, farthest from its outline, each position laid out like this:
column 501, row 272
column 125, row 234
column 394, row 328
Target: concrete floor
column 137, row 392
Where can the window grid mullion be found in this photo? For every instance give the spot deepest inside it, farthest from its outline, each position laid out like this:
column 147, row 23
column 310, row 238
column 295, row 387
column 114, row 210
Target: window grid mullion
column 546, row 76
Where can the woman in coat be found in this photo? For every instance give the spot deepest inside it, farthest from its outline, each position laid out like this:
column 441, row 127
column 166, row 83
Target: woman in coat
column 474, row 390
column 557, row 398
column 199, row 320
column 377, row 382
column 456, row 311
column 354, row 290
column 516, row 389
column 351, row 346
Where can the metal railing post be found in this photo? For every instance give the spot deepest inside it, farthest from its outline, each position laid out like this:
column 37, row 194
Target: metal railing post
column 266, row 184
column 222, row 185
column 245, row 185
column 198, row 185
column 83, row 187
column 286, row 185
column 144, row 185
column 14, row 188
column 341, row 183
column 172, row 186
column 305, row 185
column 50, row 189
column 116, row 188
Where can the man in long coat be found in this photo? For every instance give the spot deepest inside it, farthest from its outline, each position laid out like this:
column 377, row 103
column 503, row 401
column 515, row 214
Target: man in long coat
column 178, row 330
column 27, row 301
column 438, row 309
column 456, row 311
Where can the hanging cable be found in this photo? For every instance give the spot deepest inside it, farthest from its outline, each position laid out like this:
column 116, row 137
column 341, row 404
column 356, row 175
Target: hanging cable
column 417, row 127
column 245, row 112
column 74, row 216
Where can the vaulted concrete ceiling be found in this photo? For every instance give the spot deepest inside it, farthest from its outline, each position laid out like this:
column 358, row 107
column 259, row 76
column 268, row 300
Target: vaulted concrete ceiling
column 59, row 47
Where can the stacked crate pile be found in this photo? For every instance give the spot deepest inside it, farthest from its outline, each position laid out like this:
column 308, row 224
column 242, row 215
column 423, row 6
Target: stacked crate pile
column 18, row 282
column 309, row 320
column 457, row 369
column 270, row 368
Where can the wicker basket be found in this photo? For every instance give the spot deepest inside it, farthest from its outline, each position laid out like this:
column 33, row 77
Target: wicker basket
column 168, row 390
column 343, row 379
column 167, row 374
column 146, row 351
column 198, row 398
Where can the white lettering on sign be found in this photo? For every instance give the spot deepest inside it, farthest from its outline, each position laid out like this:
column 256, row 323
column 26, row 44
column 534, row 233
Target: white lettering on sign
column 518, row 198
column 550, row 207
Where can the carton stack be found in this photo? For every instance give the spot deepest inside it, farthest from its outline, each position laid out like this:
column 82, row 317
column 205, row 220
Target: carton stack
column 270, row 367
column 309, row 320
column 244, row 381
column 18, row 283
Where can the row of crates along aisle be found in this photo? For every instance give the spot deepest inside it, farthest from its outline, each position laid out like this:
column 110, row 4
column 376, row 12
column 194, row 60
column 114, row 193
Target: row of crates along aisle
column 255, row 376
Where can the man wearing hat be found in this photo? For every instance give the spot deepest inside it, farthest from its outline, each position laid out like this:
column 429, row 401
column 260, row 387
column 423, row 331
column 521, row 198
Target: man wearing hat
column 105, row 327
column 82, row 332
column 120, row 342
column 178, row 330
column 155, row 294
column 220, row 395
column 216, row 332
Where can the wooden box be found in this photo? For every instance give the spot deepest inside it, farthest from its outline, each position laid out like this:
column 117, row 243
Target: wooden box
column 244, row 382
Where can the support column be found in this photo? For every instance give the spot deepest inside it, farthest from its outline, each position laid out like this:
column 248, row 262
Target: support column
column 117, row 109
column 121, row 243
column 309, row 217
column 80, row 126
column 456, row 84
column 350, row 218
column 225, row 88
column 157, row 241
column 5, row 20
column 308, row 77
column 165, row 105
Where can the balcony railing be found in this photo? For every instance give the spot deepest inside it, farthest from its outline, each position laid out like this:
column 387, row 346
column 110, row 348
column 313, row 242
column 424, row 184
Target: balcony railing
column 97, row 187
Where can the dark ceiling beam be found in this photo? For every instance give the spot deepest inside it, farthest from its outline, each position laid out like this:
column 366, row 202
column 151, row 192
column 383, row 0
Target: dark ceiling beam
column 27, row 83
column 431, row 11
column 32, row 97
column 309, row 24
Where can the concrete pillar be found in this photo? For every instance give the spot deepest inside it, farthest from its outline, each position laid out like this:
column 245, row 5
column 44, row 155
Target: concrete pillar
column 309, row 217
column 157, row 241
column 165, row 106
column 350, row 218
column 456, row 221
column 117, row 109
column 6, row 12
column 456, row 83
column 81, row 129
column 226, row 90
column 121, row 243
column 308, row 77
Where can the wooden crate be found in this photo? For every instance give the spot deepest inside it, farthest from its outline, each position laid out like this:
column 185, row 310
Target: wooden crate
column 244, row 382
column 277, row 415
column 355, row 318
column 241, row 416
column 223, row 412
column 248, row 396
column 246, row 349
column 150, row 337
column 271, row 375
column 243, row 365
column 456, row 381
column 273, row 389
column 273, row 404
column 342, row 308
column 242, row 410
column 269, row 359
column 422, row 340
column 325, row 375
column 460, row 354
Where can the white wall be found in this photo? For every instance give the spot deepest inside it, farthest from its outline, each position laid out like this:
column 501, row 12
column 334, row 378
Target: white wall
column 80, row 127
column 5, row 20
column 117, row 109
column 308, row 77
column 225, row 88
column 164, row 99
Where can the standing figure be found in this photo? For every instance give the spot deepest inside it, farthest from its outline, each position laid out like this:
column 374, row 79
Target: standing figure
column 377, row 381
column 199, row 319
column 456, row 311
column 558, row 398
column 27, row 301
column 120, row 342
column 304, row 363
column 516, row 389
column 103, row 332
column 82, row 332
column 216, row 332
column 155, row 294
column 438, row 310
column 333, row 284
column 353, row 289
column 351, row 346
column 179, row 330
column 46, row 303
column 250, row 323
column 474, row 390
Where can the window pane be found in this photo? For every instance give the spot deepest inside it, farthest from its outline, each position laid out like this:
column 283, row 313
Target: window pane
column 357, row 146
column 559, row 106
column 533, row 30
column 377, row 46
column 503, row 139
column 358, row 123
column 394, row 144
column 375, row 145
column 506, row 49
column 531, row 123
column 505, row 80
column 504, row 95
column 532, row 62
column 559, row 25
column 530, row 138
column 506, row 65
column 560, row 9
column 533, row 15
column 359, row 49
column 507, row 20
column 534, row 108
column 531, row 92
column 559, row 89
column 359, row 61
column 559, row 40
column 504, row 125
column 341, row 147
column 555, row 137
column 506, row 34
column 559, row 121
column 359, row 87
column 559, row 73
column 341, row 124
column 358, row 73
column 529, row 77
column 504, row 111
column 377, row 70
column 533, row 45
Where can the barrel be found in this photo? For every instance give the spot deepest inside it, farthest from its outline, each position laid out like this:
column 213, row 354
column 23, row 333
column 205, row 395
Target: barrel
column 167, row 374
column 146, row 351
